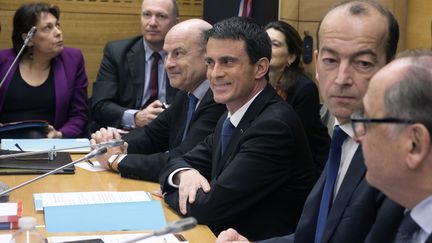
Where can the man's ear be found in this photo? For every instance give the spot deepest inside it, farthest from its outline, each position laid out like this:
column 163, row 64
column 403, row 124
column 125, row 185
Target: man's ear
column 418, row 143
column 261, row 67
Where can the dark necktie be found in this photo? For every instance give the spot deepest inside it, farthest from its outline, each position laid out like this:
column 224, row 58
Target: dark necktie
column 338, row 138
column 406, row 229
column 227, row 131
column 153, row 81
column 191, row 108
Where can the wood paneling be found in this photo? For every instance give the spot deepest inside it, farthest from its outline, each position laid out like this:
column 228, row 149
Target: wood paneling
column 90, row 24
column 419, row 28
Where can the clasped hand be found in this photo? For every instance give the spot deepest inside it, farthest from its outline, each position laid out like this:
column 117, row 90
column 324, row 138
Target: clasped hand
column 104, row 135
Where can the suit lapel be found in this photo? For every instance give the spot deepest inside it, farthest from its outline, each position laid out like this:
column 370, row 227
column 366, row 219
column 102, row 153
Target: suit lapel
column 60, row 88
column 352, row 179
column 260, row 102
column 136, row 63
column 429, row 240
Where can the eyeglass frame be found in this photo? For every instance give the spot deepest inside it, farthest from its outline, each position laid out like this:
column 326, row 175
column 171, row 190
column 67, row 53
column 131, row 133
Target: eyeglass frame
column 356, row 118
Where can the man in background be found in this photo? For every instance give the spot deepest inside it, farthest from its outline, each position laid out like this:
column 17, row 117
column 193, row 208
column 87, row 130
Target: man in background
column 131, row 85
column 191, row 117
column 355, row 39
column 395, row 132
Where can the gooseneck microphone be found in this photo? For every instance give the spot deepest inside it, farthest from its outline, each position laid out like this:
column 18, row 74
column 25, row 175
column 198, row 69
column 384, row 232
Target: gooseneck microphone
column 28, row 38
column 88, row 156
column 175, row 227
column 107, row 144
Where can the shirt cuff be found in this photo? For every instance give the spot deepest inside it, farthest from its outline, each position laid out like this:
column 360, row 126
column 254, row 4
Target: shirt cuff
column 171, row 176
column 128, row 118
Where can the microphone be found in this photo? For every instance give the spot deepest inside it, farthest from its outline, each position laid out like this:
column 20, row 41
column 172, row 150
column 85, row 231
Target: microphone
column 172, row 228
column 107, row 144
column 88, row 156
column 29, row 36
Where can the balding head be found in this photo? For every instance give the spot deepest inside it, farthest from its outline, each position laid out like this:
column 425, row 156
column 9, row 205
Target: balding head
column 185, row 47
column 366, row 9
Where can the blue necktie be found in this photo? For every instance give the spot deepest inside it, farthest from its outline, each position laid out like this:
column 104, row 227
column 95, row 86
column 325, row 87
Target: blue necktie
column 338, row 138
column 191, row 108
column 227, row 131
column 406, row 229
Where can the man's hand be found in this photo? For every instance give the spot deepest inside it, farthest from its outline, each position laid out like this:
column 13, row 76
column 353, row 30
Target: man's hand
column 104, row 135
column 231, row 236
column 148, row 114
column 190, row 182
column 53, row 133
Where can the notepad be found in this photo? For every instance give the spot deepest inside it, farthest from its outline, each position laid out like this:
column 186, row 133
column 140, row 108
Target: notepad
column 48, row 143
column 105, row 217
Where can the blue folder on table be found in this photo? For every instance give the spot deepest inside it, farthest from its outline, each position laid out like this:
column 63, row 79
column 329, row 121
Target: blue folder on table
column 146, row 215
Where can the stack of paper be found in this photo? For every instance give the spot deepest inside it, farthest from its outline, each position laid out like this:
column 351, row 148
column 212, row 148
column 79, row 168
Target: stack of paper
column 9, row 215
column 100, row 211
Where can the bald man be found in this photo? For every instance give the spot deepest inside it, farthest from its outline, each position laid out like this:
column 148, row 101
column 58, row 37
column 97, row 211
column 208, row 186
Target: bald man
column 395, row 132
column 191, row 117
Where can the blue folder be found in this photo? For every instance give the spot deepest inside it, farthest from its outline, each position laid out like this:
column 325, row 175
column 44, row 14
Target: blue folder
column 105, row 217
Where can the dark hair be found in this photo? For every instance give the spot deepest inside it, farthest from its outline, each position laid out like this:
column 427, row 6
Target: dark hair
column 26, row 17
column 360, row 7
column 411, row 96
column 295, row 46
column 258, row 44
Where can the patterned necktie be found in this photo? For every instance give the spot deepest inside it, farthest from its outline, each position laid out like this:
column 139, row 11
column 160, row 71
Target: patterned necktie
column 153, row 81
column 191, row 108
column 338, row 138
column 227, row 131
column 406, row 229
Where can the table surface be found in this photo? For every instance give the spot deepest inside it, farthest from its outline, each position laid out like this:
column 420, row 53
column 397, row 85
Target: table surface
column 82, row 181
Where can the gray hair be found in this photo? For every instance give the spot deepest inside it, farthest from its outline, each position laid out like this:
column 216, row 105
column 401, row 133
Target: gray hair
column 411, row 97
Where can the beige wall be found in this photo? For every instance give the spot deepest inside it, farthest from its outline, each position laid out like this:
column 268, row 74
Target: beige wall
column 419, row 24
column 306, row 14
column 89, row 24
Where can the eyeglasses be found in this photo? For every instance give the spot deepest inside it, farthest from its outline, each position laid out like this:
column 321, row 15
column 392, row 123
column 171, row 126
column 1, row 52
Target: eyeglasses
column 359, row 121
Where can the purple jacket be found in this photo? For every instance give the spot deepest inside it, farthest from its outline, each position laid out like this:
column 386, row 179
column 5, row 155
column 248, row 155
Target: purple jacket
column 71, row 83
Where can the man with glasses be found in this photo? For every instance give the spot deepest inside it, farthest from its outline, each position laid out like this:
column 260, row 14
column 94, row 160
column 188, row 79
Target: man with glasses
column 395, row 134
column 355, row 39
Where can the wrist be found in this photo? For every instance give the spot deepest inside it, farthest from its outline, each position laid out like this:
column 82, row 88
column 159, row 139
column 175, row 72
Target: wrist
column 112, row 161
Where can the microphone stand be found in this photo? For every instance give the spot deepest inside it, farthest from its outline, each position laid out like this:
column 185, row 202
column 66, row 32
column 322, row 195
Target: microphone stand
column 175, row 227
column 90, row 155
column 26, row 41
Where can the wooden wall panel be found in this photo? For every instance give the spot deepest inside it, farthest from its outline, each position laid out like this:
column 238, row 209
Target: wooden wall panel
column 419, row 28
column 90, row 24
column 289, row 10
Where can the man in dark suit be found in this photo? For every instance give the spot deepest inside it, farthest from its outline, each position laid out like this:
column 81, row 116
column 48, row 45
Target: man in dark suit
column 397, row 123
column 257, row 163
column 355, row 39
column 181, row 126
column 131, row 85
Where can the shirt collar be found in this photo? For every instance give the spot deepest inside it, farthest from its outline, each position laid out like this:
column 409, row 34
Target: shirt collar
column 148, row 52
column 347, row 128
column 421, row 214
column 201, row 90
column 238, row 115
